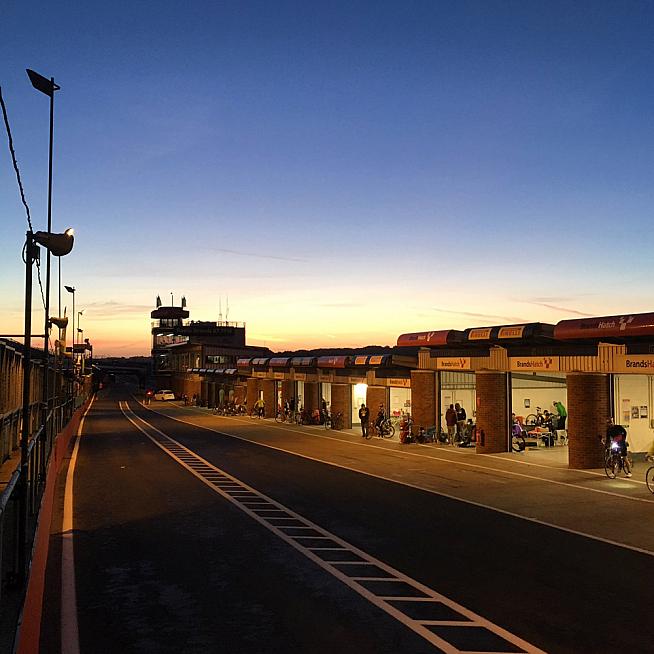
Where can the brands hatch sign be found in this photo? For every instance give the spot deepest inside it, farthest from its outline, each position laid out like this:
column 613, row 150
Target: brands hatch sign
column 453, row 363
column 642, row 364
column 535, row 364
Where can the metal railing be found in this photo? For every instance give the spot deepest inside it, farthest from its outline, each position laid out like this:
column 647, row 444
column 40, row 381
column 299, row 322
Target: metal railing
column 20, row 496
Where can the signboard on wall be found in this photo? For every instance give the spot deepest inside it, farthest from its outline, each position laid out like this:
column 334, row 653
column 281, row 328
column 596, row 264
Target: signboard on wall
column 535, row 364
column 260, row 375
column 322, row 377
column 278, row 375
column 300, row 376
column 399, row 383
column 511, row 332
column 356, row 380
column 453, row 363
column 482, row 334
column 640, row 364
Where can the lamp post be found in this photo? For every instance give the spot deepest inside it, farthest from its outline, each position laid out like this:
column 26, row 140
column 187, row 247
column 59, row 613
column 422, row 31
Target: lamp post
column 71, row 289
column 59, row 245
column 48, row 87
column 79, row 313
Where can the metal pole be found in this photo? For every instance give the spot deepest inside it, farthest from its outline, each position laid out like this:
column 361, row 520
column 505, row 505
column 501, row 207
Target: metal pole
column 72, row 354
column 46, row 331
column 25, row 431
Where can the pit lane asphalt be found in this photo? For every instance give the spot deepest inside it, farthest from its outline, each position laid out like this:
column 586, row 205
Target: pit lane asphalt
column 163, row 566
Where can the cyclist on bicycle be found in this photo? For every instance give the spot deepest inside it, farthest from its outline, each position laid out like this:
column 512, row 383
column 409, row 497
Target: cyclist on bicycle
column 259, row 407
column 618, row 434
column 380, row 419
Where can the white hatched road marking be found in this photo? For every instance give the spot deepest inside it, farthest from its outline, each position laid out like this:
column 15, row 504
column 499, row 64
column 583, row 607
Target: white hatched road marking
column 201, row 468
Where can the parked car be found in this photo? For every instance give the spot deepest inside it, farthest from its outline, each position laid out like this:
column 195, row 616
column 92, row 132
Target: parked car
column 164, row 395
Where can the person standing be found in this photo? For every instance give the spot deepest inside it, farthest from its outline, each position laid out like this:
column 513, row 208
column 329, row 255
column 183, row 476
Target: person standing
column 562, row 413
column 460, row 420
column 364, row 417
column 450, row 421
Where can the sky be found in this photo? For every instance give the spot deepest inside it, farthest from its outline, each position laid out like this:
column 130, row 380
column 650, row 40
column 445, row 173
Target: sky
column 344, row 172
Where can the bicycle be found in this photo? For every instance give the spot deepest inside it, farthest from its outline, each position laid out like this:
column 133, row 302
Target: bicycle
column 385, row 429
column 334, row 421
column 649, row 476
column 283, row 416
column 518, row 442
column 615, row 460
column 535, row 419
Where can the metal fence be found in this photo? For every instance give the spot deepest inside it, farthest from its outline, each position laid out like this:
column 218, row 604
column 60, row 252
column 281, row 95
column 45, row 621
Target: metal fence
column 20, row 494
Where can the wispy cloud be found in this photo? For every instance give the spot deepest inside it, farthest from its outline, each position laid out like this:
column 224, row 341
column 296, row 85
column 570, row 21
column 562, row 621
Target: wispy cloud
column 482, row 316
column 554, row 307
column 340, row 305
column 113, row 309
column 259, row 256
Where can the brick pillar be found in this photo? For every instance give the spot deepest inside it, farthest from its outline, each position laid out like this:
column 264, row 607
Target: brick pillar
column 492, row 412
column 342, row 401
column 588, row 410
column 252, row 393
column 288, row 391
column 191, row 387
column 268, row 387
column 375, row 396
column 204, row 392
column 212, row 400
column 424, row 398
column 240, row 393
column 311, row 399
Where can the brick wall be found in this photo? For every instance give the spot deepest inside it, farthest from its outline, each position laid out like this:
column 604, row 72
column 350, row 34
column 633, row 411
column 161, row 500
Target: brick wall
column 240, row 393
column 252, row 392
column 588, row 410
column 268, row 387
column 311, row 399
column 342, row 401
column 288, row 390
column 424, row 396
column 375, row 396
column 492, row 412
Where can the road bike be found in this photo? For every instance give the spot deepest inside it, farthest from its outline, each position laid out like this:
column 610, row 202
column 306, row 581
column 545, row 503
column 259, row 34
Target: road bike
column 649, row 478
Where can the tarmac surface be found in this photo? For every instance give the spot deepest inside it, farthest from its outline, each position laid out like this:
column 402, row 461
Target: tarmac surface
column 198, row 533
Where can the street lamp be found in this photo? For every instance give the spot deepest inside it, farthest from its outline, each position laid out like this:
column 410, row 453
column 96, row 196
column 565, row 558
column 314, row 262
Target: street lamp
column 71, row 289
column 59, row 245
column 79, row 313
column 48, row 87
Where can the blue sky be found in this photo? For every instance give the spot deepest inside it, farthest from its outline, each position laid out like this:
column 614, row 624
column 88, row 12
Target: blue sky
column 344, row 171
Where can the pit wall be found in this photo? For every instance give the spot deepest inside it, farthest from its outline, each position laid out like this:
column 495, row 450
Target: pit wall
column 28, row 638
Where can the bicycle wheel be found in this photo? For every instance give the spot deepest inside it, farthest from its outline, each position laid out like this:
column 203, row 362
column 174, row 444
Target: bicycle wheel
column 649, row 478
column 518, row 443
column 328, row 422
column 388, row 430
column 611, row 466
column 531, row 420
column 279, row 417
